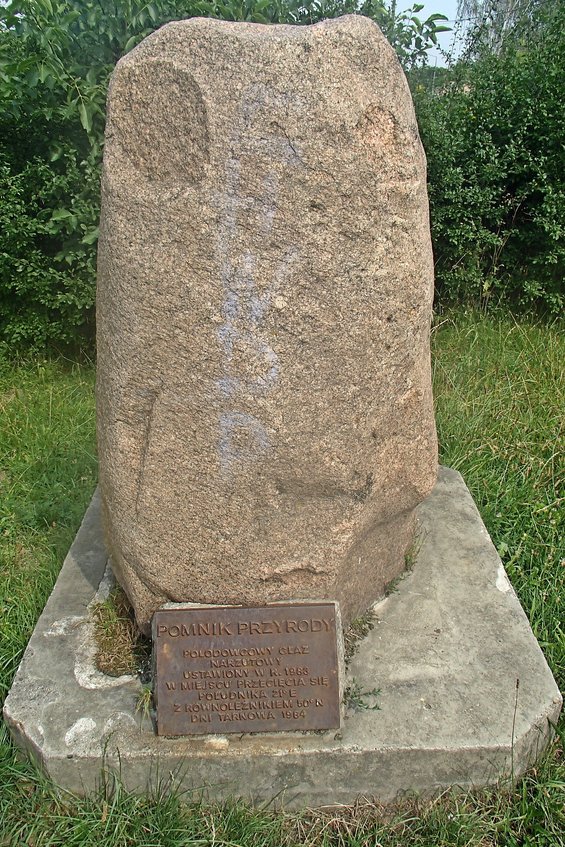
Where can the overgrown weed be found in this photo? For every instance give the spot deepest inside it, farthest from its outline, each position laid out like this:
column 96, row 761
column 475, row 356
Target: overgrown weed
column 120, row 647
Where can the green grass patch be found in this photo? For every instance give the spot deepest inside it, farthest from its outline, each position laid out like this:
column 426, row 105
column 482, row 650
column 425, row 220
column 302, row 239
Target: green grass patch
column 499, row 389
column 500, row 400
column 47, row 474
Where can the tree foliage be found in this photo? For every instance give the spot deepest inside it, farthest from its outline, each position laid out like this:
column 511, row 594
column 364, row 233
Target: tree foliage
column 490, row 23
column 493, row 133
column 56, row 57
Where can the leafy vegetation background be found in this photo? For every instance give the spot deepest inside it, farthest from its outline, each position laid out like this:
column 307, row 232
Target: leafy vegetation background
column 493, row 128
column 56, row 57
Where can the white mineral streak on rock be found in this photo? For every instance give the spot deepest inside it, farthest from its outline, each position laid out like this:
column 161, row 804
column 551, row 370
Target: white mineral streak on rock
column 107, row 584
column 245, row 304
column 119, row 720
column 217, row 742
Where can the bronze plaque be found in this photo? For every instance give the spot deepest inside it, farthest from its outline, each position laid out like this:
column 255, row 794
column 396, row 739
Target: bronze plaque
column 231, row 669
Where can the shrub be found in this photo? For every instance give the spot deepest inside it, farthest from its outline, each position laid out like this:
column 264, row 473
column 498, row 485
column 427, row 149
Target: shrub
column 55, row 62
column 46, row 257
column 493, row 133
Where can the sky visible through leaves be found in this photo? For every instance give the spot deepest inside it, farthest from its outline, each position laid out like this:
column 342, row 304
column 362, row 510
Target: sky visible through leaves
column 445, row 39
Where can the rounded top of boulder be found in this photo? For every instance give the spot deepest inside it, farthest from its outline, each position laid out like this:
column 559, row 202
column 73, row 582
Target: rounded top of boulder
column 189, row 78
column 273, row 51
column 345, row 27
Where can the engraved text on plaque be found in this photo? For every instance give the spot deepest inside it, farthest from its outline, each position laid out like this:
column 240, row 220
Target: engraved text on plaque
column 234, row 669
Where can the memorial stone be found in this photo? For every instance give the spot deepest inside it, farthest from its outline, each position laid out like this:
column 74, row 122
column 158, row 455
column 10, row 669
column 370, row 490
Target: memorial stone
column 265, row 434
column 265, row 417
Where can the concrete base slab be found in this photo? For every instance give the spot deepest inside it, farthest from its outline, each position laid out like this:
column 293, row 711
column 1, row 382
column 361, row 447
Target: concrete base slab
column 466, row 697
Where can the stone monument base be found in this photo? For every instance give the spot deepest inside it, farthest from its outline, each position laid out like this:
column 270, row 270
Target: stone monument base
column 466, row 697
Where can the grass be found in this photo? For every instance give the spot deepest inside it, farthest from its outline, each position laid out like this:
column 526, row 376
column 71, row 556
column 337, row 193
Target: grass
column 356, row 632
column 500, row 401
column 121, row 649
column 47, row 475
column 499, row 388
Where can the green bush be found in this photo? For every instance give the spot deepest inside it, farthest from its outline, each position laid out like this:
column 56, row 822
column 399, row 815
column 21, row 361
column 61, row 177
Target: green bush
column 55, row 62
column 493, row 132
column 56, row 57
column 48, row 220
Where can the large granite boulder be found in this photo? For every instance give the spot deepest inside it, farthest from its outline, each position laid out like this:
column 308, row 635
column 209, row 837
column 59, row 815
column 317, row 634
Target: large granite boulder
column 265, row 415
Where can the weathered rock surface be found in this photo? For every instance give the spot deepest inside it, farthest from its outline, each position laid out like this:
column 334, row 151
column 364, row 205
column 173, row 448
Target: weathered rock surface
column 265, row 283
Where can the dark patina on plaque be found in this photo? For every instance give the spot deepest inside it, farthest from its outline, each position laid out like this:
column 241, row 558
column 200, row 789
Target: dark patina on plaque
column 232, row 669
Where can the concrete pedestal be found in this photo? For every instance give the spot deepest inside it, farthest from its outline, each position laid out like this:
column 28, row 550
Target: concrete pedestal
column 466, row 696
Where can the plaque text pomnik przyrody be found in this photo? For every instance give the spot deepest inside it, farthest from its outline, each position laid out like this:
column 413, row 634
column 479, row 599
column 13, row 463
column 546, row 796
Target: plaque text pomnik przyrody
column 233, row 669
